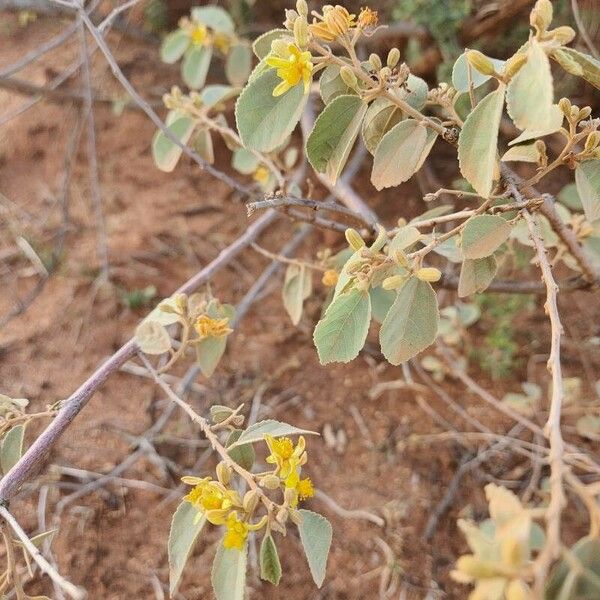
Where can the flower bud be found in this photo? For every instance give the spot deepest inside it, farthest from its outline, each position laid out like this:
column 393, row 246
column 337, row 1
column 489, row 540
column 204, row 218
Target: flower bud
column 223, row 473
column 401, row 258
column 295, row 517
column 302, row 8
column 563, row 35
column 541, row 15
column 375, row 62
column 565, row 105
column 584, row 113
column 472, row 566
column 393, row 282
column 218, row 413
column 290, row 19
column 512, row 552
column 393, row 58
column 301, row 32
column 270, row 481
column 385, row 73
column 592, row 141
column 354, row 239
column 282, row 516
column 514, row 63
column 480, row 62
column 348, row 77
column 517, row 590
column 330, row 278
column 430, row 274
column 250, row 501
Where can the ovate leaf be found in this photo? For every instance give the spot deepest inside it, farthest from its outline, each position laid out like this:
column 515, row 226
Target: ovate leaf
column 195, row 66
column 210, row 350
column 203, row 145
column 380, row 117
column 530, row 93
column 242, row 454
column 414, row 92
column 590, row 67
column 185, row 529
column 215, row 17
column 315, row 535
column 263, row 120
column 165, row 152
column 398, row 154
column 522, row 153
column 587, row 179
column 228, row 574
column 174, row 45
column 256, row 432
column 152, row 337
column 238, row 64
column 296, row 288
column 335, row 131
column 243, row 161
column 476, row 275
column 262, row 44
column 483, row 235
column 12, row 448
column 270, row 567
column 212, row 95
column 411, row 323
column 381, row 302
column 478, row 142
column 341, row 333
column 460, row 76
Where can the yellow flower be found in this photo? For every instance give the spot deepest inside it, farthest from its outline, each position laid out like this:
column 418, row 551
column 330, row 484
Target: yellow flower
column 285, row 456
column 330, row 277
column 367, row 18
column 237, row 532
column 334, row 22
column 305, row 489
column 293, row 66
column 208, row 327
column 261, row 175
column 211, row 498
column 198, row 34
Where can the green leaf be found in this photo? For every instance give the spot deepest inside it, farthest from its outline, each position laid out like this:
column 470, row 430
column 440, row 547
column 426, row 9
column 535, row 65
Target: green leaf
column 567, row 584
column 414, row 92
column 214, row 17
column 405, row 238
column 243, row 161
column 215, row 94
column 335, row 131
column 296, row 288
column 530, row 93
column 262, row 44
column 12, row 448
column 341, row 333
column 380, row 117
column 398, row 154
column 555, row 123
column 478, row 142
column 569, row 196
column 381, row 302
column 476, row 275
column 256, row 432
column 195, row 66
column 152, row 337
column 203, row 145
column 238, row 64
column 183, row 535
column 166, row 153
column 522, row 153
column 264, row 121
column 483, row 235
column 590, row 67
column 243, row 454
column 460, row 77
column 587, row 179
column 210, row 350
column 174, row 46
column 331, row 84
column 411, row 323
column 315, row 534
column 228, row 574
column 270, row 567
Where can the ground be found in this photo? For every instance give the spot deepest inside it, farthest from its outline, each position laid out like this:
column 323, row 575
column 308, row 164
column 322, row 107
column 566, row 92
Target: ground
column 161, row 229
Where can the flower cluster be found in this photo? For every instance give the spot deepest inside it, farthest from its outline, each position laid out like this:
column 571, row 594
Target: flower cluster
column 201, row 35
column 206, row 327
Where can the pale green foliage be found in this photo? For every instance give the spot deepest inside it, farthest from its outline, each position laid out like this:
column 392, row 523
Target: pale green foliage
column 334, row 134
column 478, row 142
column 296, row 289
column 184, row 532
column 411, row 323
column 523, row 153
column 476, row 275
column 460, row 73
column 483, row 235
column 152, row 337
column 256, row 433
column 381, row 116
column 228, row 574
column 315, row 535
column 587, row 178
column 12, row 447
column 270, row 567
column 166, row 153
column 210, row 350
column 586, row 67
